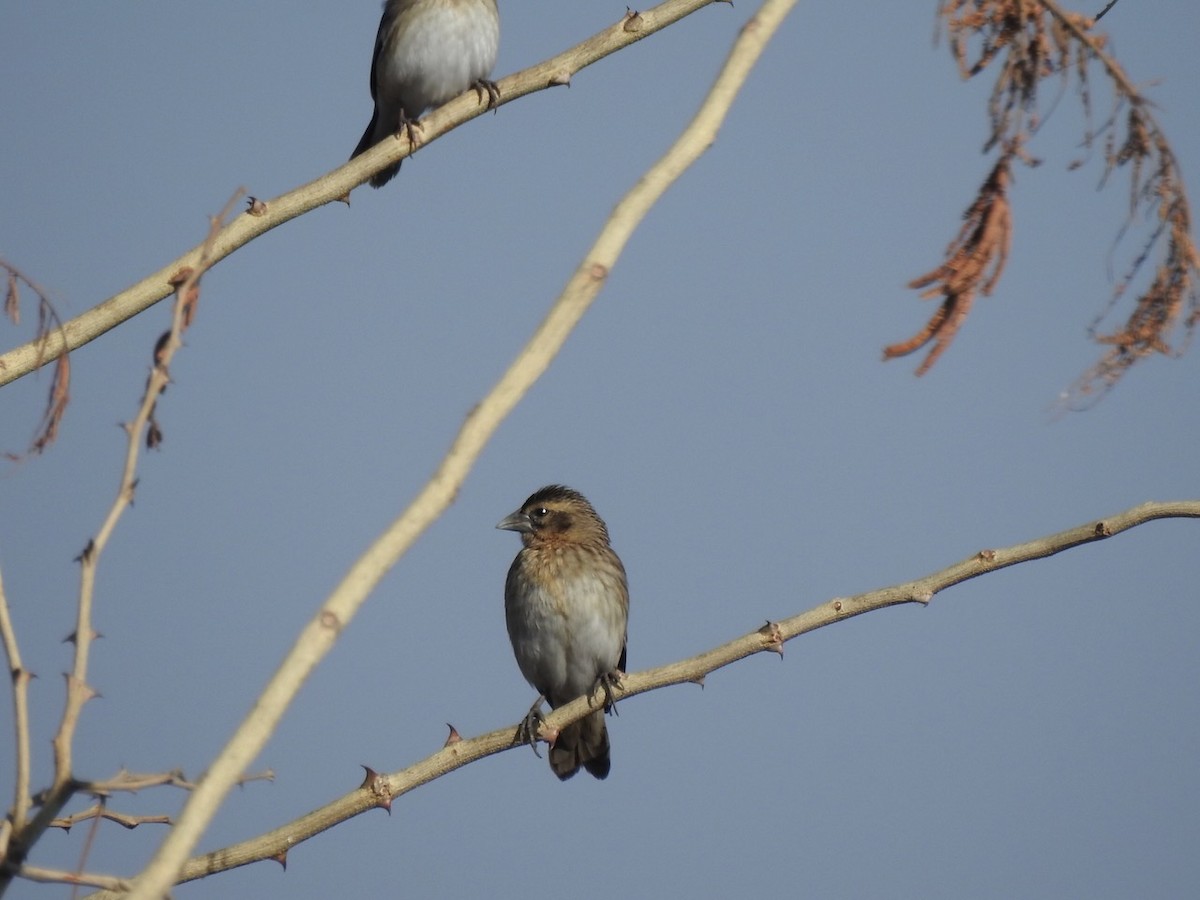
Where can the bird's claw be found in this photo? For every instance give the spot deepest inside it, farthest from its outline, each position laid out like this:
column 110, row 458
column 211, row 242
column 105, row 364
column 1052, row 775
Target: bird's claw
column 410, row 127
column 527, row 731
column 606, row 683
column 493, row 92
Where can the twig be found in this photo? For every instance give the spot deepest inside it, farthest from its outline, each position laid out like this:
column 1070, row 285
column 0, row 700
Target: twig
column 57, row 876
column 99, row 811
column 19, row 676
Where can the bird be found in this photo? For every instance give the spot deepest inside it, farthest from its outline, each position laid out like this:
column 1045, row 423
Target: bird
column 427, row 52
column 566, row 605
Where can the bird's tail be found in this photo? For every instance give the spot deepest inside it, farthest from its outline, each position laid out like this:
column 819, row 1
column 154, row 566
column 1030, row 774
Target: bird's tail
column 369, row 140
column 583, row 744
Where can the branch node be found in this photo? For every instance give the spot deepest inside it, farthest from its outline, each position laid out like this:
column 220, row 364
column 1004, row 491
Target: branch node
column 773, row 637
column 379, row 788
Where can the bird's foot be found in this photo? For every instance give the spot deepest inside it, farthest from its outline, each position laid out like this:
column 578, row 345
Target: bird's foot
column 527, row 731
column 411, row 127
column 607, row 683
column 493, row 92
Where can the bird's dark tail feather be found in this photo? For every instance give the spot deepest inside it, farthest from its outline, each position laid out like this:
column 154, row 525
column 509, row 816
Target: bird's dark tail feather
column 365, row 143
column 583, row 744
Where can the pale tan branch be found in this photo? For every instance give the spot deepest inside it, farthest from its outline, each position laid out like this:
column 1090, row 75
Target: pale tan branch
column 378, row 791
column 58, row 876
column 132, row 782
column 20, row 676
column 100, row 811
column 322, row 631
column 336, row 185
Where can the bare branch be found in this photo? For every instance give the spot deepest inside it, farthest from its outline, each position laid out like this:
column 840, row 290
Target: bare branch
column 57, row 876
column 19, row 675
column 335, row 186
column 379, row 791
column 100, row 811
column 132, row 782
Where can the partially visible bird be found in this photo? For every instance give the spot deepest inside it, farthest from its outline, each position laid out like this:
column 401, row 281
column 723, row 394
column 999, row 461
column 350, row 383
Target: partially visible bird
column 566, row 602
column 427, row 52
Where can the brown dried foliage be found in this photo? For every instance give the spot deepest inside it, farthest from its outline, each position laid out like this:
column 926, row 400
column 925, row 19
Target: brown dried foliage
column 59, row 394
column 1030, row 41
column 974, row 261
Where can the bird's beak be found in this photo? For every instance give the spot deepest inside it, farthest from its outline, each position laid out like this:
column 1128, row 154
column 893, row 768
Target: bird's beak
column 518, row 521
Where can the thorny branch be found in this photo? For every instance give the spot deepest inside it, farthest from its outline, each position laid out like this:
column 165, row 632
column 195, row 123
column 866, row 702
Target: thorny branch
column 378, row 791
column 262, row 216
column 19, row 677
column 79, row 692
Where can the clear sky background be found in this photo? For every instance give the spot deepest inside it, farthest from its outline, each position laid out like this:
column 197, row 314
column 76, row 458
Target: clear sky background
column 1033, row 733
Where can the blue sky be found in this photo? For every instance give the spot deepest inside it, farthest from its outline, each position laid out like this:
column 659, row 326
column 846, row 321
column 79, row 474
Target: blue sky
column 1033, row 733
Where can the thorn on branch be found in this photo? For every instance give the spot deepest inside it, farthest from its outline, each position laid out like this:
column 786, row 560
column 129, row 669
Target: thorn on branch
column 378, row 787
column 773, row 635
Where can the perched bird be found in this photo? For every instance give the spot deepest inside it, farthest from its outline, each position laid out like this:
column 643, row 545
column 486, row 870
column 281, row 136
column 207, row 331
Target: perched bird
column 566, row 602
column 427, row 52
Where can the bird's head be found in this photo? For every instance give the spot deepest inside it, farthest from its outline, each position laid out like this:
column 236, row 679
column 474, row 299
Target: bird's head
column 556, row 514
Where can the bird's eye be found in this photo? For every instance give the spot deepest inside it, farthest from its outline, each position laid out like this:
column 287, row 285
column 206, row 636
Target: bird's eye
column 541, row 512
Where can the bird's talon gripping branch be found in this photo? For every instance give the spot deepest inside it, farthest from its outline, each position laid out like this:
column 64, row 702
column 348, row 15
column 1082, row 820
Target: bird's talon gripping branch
column 411, row 127
column 483, row 86
column 606, row 683
column 527, row 731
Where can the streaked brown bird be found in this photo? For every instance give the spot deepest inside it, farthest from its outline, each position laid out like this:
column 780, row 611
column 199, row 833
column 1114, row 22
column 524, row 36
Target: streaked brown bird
column 427, row 52
column 566, row 602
